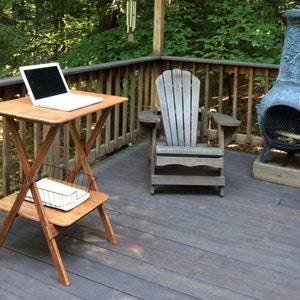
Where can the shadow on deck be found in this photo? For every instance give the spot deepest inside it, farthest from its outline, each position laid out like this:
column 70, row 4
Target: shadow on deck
column 181, row 243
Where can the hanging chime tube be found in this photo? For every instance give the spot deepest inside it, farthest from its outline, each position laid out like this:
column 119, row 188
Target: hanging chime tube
column 130, row 15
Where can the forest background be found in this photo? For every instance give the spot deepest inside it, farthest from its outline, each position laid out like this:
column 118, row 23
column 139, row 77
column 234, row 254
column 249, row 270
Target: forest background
column 86, row 32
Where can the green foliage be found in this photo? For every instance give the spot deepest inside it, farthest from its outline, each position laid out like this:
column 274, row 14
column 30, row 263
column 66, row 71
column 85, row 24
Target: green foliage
column 244, row 30
column 110, row 45
column 85, row 32
column 181, row 19
column 113, row 44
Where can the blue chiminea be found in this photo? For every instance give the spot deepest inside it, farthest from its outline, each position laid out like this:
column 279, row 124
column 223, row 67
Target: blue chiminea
column 279, row 111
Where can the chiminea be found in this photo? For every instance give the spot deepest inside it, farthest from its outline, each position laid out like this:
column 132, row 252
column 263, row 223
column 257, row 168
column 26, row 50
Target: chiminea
column 279, row 111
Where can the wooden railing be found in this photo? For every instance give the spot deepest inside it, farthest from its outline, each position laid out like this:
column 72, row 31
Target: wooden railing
column 230, row 87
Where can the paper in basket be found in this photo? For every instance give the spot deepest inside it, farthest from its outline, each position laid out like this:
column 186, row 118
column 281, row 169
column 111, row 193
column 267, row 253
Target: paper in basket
column 59, row 195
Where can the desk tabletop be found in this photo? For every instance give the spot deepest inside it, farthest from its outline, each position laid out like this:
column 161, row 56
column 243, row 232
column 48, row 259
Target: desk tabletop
column 22, row 108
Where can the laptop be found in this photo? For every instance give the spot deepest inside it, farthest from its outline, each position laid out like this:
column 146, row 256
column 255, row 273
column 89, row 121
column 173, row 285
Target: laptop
column 48, row 88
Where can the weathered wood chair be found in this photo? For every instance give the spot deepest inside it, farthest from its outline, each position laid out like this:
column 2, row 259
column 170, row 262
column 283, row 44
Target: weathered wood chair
column 178, row 155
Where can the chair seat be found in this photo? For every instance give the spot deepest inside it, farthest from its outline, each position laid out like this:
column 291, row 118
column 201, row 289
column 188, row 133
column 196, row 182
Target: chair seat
column 198, row 151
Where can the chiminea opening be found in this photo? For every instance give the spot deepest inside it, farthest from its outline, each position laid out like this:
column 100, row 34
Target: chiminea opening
column 281, row 128
column 279, row 112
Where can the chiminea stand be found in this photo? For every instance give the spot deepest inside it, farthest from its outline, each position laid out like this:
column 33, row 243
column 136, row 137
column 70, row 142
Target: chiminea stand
column 278, row 168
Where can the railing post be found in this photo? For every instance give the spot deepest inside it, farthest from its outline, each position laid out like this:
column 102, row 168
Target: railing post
column 158, row 32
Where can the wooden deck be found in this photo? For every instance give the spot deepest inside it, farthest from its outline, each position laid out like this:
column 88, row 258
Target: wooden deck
column 181, row 243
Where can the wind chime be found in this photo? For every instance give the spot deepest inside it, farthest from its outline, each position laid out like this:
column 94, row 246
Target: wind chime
column 130, row 18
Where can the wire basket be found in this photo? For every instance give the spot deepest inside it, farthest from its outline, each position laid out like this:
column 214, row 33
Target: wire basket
column 55, row 191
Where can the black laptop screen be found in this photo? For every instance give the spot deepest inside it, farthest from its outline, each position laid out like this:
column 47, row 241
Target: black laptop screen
column 45, row 82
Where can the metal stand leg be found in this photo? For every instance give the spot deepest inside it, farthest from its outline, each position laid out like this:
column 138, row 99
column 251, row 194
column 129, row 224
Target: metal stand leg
column 267, row 148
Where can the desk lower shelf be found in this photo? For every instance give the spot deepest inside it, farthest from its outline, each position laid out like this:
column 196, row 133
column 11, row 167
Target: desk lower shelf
column 56, row 216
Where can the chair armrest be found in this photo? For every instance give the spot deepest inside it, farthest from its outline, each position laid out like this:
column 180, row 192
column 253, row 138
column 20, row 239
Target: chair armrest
column 148, row 116
column 150, row 121
column 224, row 120
column 227, row 127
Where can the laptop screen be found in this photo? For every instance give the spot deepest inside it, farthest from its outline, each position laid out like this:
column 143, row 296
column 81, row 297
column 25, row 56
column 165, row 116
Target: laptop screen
column 45, row 82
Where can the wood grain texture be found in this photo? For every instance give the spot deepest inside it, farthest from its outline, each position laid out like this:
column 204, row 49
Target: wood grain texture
column 181, row 243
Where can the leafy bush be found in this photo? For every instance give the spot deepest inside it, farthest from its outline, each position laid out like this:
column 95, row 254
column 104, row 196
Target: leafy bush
column 86, row 32
column 244, row 31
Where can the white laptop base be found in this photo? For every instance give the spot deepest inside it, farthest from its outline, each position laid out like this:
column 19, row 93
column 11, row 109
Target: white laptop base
column 68, row 101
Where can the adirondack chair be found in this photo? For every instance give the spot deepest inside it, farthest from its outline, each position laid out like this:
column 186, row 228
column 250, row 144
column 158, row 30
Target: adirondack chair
column 177, row 152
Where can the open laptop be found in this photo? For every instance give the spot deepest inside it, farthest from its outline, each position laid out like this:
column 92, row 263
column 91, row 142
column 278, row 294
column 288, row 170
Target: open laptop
column 48, row 88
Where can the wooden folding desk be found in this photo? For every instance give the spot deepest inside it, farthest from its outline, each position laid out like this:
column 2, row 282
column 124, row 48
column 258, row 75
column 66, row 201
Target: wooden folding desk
column 54, row 220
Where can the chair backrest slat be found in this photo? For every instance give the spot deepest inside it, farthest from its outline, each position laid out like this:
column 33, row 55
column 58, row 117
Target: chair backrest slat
column 195, row 109
column 164, row 89
column 187, row 87
column 179, row 95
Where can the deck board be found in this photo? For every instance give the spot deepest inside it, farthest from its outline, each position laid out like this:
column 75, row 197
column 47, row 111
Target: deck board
column 181, row 243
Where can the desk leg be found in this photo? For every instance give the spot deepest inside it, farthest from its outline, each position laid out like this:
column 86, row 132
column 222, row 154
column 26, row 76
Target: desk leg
column 88, row 146
column 30, row 173
column 107, row 225
column 83, row 162
column 62, row 274
column 50, row 232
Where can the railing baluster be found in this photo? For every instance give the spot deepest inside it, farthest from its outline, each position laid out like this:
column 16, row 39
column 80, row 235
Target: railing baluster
column 221, row 87
column 235, row 91
column 250, row 104
column 6, row 159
